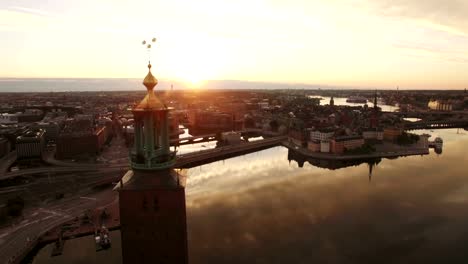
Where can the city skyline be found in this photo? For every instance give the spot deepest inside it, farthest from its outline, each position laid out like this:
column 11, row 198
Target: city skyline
column 361, row 43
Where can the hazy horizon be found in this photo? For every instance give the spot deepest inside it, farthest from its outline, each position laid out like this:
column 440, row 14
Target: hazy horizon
column 135, row 84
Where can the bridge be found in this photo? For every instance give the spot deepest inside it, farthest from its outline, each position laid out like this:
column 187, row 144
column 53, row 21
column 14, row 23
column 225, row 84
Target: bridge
column 211, row 137
column 439, row 124
column 193, row 159
column 427, row 113
column 193, row 139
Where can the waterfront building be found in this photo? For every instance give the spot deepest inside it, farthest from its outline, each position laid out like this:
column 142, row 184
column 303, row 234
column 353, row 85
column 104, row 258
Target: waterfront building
column 296, row 136
column 30, row 144
column 373, row 135
column 321, row 135
column 152, row 194
column 392, row 133
column 439, row 105
column 325, row 146
column 339, row 145
column 313, row 146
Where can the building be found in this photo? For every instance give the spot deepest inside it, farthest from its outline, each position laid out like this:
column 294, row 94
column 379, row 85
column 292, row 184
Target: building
column 297, row 137
column 51, row 129
column 211, row 121
column 81, row 139
column 313, row 146
column 81, row 143
column 392, row 133
column 5, row 146
column 30, row 115
column 30, row 144
column 11, row 133
column 152, row 194
column 373, row 135
column 439, row 105
column 339, row 145
column 325, row 146
column 321, row 135
column 8, row 119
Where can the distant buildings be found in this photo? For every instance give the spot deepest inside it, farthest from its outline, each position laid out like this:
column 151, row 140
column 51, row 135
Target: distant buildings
column 440, row 105
column 8, row 119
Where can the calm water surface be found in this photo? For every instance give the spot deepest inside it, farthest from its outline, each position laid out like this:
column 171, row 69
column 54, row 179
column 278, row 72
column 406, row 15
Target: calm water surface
column 263, row 208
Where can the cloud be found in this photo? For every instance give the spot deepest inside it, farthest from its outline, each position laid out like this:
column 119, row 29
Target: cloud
column 30, row 11
column 447, row 16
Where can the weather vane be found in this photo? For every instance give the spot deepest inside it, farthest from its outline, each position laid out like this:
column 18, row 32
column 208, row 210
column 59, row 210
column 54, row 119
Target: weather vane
column 147, row 44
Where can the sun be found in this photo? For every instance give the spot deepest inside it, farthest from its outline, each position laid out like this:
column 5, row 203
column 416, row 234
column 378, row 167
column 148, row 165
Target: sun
column 195, row 82
column 194, row 63
column 194, row 77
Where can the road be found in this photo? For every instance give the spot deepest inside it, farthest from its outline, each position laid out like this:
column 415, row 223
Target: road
column 17, row 240
column 6, row 162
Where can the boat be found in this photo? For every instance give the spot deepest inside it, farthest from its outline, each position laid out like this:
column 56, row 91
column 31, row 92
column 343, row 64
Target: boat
column 356, row 100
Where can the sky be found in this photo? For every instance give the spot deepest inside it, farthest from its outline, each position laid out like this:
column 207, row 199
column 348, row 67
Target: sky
column 412, row 44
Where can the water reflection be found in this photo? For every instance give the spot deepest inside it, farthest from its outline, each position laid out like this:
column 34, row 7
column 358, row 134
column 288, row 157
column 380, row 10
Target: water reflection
column 260, row 208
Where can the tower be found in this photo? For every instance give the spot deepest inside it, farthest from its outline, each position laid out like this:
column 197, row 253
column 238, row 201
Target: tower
column 332, row 102
column 152, row 193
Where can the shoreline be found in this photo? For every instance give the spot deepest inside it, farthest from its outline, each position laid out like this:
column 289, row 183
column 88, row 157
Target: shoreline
column 329, row 156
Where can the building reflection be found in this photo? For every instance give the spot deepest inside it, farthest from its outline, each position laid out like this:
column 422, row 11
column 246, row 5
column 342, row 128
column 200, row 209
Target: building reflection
column 332, row 164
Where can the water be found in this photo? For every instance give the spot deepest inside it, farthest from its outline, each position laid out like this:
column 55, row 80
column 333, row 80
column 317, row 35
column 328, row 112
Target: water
column 263, row 208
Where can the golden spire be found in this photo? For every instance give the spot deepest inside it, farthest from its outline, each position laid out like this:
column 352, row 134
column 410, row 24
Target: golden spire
column 150, row 81
column 150, row 101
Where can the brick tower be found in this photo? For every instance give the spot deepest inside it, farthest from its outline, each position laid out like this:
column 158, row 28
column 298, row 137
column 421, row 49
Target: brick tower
column 152, row 194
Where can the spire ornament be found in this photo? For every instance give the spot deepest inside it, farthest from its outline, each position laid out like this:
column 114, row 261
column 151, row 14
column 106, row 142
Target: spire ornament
column 150, row 81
